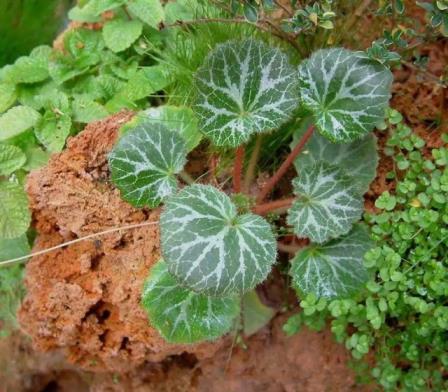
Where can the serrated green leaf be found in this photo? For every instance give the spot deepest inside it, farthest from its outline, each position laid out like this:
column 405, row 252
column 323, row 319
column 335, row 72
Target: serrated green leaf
column 11, row 159
column 53, row 131
column 244, row 87
column 148, row 11
column 183, row 316
column 27, row 69
column 180, row 119
column 17, row 120
column 82, row 41
column 8, row 96
column 86, row 110
column 255, row 314
column 334, row 269
column 15, row 247
column 347, row 93
column 144, row 163
column 211, row 249
column 15, row 216
column 327, row 204
column 359, row 159
column 179, row 10
column 120, row 34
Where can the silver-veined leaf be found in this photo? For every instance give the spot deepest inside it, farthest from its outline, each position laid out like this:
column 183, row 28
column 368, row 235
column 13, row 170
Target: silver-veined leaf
column 327, row 204
column 144, row 162
column 211, row 249
column 12, row 158
column 15, row 216
column 346, row 92
column 359, row 158
column 334, row 269
column 244, row 88
column 183, row 316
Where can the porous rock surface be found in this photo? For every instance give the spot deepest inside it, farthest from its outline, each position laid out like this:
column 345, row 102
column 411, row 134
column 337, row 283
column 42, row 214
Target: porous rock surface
column 84, row 298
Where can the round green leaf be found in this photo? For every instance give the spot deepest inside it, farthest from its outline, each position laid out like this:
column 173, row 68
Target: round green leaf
column 359, row 159
column 15, row 216
column 144, row 162
column 244, row 88
column 14, row 247
column 334, row 269
column 211, row 249
column 11, row 159
column 327, row 204
column 183, row 316
column 347, row 93
column 17, row 120
column 120, row 34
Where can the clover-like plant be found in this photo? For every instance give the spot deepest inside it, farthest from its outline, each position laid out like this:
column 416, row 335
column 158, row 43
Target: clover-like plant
column 216, row 250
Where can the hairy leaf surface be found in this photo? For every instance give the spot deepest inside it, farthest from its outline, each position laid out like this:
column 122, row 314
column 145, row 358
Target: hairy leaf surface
column 327, row 204
column 209, row 247
column 17, row 120
column 144, row 162
column 15, row 216
column 346, row 93
column 334, row 269
column 359, row 159
column 183, row 316
column 11, row 159
column 120, row 34
column 244, row 88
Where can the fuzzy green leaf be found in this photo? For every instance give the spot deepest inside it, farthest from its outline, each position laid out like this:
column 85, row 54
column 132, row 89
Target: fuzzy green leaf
column 180, row 119
column 144, row 162
column 244, row 87
column 183, row 316
column 28, row 69
column 359, row 159
column 120, row 34
column 334, row 269
column 92, row 11
column 53, row 131
column 211, row 249
column 17, row 120
column 148, row 11
column 86, row 110
column 347, row 93
column 8, row 96
column 15, row 216
column 327, row 204
column 11, row 159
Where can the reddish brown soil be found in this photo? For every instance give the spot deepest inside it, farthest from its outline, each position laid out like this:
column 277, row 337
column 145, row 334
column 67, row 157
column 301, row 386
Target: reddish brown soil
column 84, row 298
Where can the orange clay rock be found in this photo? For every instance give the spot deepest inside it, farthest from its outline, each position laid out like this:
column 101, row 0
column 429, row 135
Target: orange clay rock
column 85, row 298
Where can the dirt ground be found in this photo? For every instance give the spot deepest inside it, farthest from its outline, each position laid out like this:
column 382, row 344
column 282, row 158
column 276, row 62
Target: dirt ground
column 82, row 326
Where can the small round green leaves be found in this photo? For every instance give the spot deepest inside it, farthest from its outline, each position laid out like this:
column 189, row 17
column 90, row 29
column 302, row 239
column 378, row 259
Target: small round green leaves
column 211, row 249
column 359, row 159
column 244, row 88
column 327, row 204
column 346, row 93
column 183, row 316
column 144, row 162
column 334, row 269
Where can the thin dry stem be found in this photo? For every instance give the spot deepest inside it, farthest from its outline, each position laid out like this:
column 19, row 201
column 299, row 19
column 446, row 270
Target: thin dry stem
column 238, row 169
